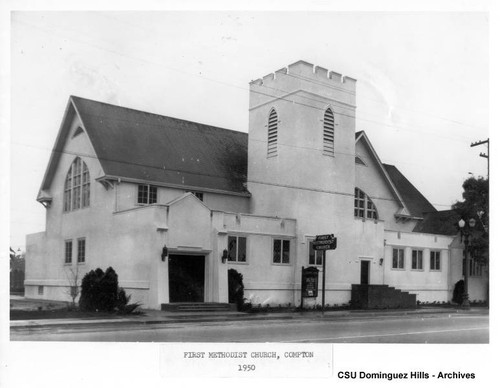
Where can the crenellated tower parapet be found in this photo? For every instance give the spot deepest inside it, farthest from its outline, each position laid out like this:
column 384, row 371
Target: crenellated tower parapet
column 306, row 77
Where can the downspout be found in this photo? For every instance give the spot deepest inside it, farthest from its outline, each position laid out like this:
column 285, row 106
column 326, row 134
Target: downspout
column 295, row 264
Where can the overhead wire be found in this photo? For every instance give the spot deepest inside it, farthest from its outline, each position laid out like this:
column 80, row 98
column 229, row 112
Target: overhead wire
column 246, row 90
column 398, row 127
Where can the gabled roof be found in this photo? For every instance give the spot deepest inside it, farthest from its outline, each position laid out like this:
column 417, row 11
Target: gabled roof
column 413, row 203
column 140, row 146
column 184, row 197
column 416, row 203
column 361, row 135
column 439, row 222
column 145, row 147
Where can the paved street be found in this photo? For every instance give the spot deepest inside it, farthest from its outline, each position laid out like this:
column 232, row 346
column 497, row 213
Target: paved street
column 418, row 328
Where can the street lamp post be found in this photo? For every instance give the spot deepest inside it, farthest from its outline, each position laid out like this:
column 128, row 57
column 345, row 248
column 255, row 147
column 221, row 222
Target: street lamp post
column 465, row 234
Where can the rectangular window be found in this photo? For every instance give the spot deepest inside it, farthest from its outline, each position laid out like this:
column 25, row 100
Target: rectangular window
column 86, row 188
column 315, row 257
column 67, row 194
column 417, row 259
column 40, row 290
column 370, row 210
column 359, row 203
column 435, row 261
column 68, row 252
column 237, row 249
column 146, row 194
column 81, row 250
column 475, row 266
column 398, row 258
column 77, row 182
column 476, row 269
column 281, row 251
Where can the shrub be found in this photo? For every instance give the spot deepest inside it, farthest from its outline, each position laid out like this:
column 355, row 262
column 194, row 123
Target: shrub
column 458, row 292
column 100, row 292
column 235, row 288
column 122, row 300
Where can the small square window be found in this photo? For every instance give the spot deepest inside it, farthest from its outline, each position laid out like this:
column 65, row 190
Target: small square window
column 147, row 194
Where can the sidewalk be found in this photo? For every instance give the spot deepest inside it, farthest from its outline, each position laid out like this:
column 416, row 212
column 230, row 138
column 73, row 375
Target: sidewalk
column 152, row 317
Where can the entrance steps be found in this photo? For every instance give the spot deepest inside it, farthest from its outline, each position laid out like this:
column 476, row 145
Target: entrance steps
column 198, row 307
column 381, row 296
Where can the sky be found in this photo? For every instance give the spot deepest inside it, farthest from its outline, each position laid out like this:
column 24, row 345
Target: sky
column 422, row 90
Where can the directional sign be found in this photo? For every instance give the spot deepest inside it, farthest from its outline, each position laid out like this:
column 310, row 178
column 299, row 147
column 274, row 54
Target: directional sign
column 324, row 242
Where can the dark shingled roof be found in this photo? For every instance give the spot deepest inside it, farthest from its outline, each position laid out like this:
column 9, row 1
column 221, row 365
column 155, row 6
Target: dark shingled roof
column 416, row 203
column 149, row 147
column 442, row 222
column 141, row 146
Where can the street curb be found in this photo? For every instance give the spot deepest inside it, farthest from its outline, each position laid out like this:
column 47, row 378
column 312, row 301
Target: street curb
column 221, row 318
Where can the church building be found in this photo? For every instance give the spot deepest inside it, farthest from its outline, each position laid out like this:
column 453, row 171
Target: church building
column 172, row 205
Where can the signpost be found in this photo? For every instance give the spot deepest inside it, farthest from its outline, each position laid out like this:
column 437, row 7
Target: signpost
column 324, row 242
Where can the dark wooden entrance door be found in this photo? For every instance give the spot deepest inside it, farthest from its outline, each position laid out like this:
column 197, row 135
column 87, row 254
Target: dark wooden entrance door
column 186, row 275
column 365, row 272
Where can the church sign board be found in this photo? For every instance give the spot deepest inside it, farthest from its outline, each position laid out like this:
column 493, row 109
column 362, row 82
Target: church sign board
column 324, row 242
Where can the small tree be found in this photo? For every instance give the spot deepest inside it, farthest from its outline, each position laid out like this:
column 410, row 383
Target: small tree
column 17, row 269
column 73, row 287
column 476, row 205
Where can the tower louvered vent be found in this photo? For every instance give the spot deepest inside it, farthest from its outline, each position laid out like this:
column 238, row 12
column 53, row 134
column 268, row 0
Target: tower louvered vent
column 272, row 134
column 328, row 133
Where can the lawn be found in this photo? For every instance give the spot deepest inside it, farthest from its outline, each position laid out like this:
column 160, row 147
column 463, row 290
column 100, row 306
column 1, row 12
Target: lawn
column 30, row 309
column 64, row 313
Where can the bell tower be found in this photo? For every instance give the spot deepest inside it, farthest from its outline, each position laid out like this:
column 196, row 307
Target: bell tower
column 301, row 145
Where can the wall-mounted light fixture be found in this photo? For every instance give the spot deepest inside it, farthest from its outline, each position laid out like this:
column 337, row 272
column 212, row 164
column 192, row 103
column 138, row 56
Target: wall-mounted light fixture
column 224, row 255
column 164, row 253
column 381, row 261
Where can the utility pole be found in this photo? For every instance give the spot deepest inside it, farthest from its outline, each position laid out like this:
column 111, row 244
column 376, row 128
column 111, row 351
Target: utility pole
column 482, row 154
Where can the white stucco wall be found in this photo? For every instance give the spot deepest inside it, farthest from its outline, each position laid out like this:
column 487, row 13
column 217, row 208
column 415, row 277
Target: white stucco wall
column 371, row 180
column 429, row 285
column 127, row 195
column 265, row 282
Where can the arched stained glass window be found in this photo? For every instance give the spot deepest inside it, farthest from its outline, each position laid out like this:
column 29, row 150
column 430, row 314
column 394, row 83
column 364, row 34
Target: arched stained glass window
column 272, row 134
column 77, row 186
column 364, row 206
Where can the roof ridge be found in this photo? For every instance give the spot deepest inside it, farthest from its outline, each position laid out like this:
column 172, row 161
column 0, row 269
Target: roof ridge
column 73, row 97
